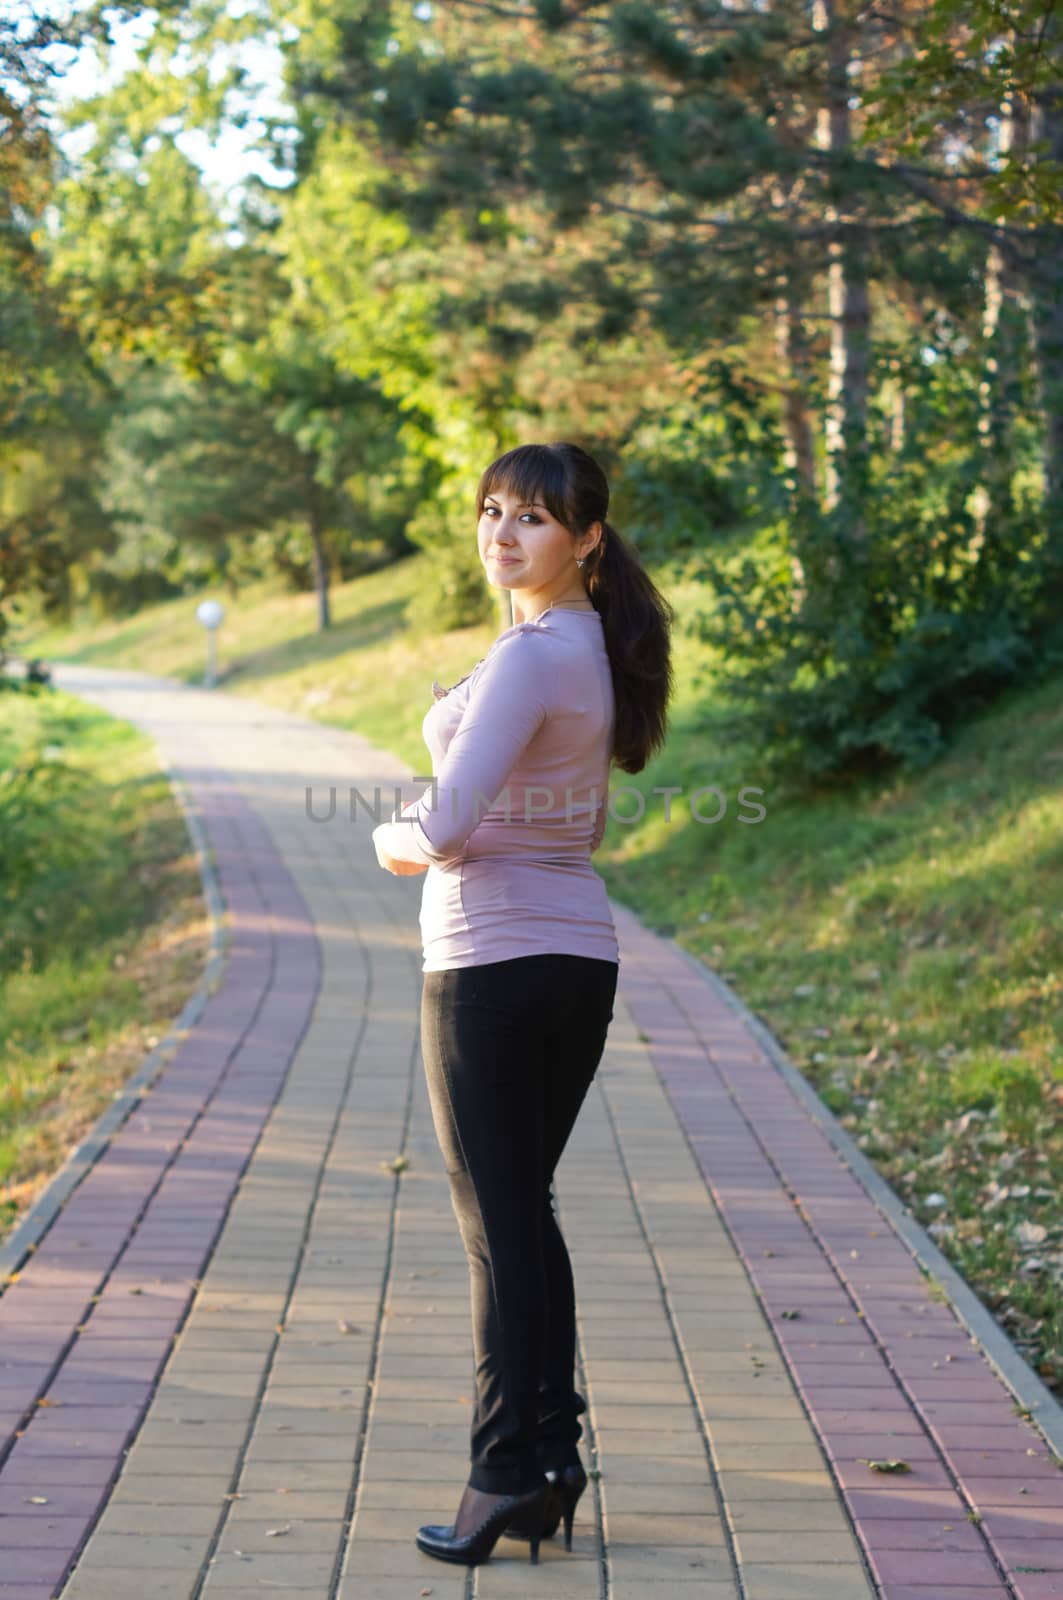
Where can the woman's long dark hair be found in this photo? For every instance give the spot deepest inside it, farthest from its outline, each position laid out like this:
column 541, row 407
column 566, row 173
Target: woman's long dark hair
column 635, row 615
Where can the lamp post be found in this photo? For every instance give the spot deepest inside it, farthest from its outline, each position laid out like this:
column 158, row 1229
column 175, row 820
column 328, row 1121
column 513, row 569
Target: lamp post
column 211, row 614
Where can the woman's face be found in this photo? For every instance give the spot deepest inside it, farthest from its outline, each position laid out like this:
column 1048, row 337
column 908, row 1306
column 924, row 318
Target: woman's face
column 539, row 551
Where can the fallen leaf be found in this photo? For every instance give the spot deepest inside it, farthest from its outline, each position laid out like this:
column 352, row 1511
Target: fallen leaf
column 962, row 1124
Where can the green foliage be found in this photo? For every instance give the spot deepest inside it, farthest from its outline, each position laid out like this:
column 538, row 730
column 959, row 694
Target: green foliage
column 454, row 594
column 52, row 399
column 861, row 637
column 704, row 471
column 228, row 475
column 967, row 56
column 51, row 516
column 370, row 292
column 904, row 633
column 41, row 841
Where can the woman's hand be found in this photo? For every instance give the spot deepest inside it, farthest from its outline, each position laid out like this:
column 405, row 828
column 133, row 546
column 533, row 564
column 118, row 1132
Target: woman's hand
column 401, row 869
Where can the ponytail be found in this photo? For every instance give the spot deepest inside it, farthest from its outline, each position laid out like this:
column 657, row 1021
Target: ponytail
column 637, row 620
column 635, row 615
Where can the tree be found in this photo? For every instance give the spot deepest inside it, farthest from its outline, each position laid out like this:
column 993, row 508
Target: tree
column 52, row 396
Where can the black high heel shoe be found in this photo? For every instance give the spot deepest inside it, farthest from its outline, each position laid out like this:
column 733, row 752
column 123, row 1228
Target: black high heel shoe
column 437, row 1539
column 566, row 1485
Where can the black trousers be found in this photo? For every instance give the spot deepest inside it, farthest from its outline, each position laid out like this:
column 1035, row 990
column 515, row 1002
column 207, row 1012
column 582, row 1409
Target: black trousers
column 510, row 1049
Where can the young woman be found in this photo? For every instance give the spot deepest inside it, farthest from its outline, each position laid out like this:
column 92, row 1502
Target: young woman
column 520, row 950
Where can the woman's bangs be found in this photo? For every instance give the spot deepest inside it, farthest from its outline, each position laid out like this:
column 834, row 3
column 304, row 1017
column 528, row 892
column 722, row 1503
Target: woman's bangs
column 527, row 474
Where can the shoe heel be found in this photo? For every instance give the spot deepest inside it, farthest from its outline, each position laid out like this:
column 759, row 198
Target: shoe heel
column 540, row 1515
column 569, row 1485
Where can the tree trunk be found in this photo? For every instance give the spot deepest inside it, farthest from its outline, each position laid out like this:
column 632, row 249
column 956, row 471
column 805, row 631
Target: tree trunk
column 1003, row 336
column 898, row 417
column 1048, row 333
column 792, row 350
column 1046, row 289
column 321, row 574
column 845, row 422
column 799, row 450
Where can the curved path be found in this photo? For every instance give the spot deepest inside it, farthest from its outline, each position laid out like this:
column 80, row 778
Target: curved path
column 238, row 1360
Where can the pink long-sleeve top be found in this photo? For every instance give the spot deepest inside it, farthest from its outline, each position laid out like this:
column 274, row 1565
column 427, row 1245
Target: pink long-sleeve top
column 520, row 753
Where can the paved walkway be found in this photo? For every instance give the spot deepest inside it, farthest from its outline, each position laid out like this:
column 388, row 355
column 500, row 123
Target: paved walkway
column 239, row 1361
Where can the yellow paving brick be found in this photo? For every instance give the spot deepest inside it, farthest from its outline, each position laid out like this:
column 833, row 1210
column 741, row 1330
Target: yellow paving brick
column 440, row 1587
column 96, row 1582
column 796, row 1544
column 651, row 1530
column 148, row 1553
column 807, row 1581
column 672, row 1561
column 646, row 1497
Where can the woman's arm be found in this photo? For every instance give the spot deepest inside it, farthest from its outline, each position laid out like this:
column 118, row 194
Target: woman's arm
column 508, row 704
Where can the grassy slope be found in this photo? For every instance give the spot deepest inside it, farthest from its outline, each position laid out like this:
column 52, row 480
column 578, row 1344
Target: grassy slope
column 103, row 944
column 904, row 943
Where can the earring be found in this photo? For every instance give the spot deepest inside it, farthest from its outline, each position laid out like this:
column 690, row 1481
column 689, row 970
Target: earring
column 580, row 560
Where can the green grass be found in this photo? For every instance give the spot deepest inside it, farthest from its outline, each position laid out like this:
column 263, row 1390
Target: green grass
column 102, row 928
column 904, row 941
